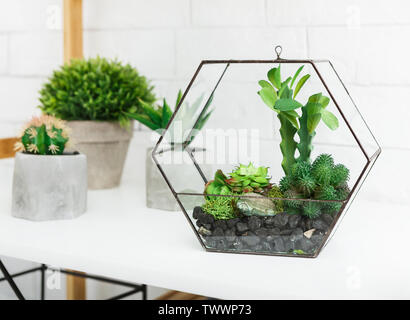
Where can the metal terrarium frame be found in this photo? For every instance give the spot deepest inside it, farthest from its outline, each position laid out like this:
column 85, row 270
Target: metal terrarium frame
column 370, row 158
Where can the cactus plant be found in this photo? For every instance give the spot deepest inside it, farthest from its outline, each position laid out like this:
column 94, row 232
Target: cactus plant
column 312, row 113
column 44, row 135
column 283, row 102
column 280, row 97
column 322, row 180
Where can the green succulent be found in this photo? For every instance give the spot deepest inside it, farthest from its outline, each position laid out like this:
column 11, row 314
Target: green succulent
column 218, row 185
column 221, row 208
column 95, row 89
column 245, row 179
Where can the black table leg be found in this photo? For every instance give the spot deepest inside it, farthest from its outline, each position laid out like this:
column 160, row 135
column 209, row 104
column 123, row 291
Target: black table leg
column 11, row 281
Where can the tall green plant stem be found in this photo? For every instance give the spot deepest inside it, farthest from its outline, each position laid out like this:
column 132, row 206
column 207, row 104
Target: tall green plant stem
column 288, row 144
column 305, row 146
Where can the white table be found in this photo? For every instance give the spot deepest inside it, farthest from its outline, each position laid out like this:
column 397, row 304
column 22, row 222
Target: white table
column 120, row 238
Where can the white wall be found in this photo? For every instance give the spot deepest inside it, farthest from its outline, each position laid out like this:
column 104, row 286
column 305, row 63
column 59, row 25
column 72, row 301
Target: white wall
column 366, row 40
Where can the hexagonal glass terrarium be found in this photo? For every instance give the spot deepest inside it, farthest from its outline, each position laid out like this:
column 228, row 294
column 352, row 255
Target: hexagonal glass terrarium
column 288, row 151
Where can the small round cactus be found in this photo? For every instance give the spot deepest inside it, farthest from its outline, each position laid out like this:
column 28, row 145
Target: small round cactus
column 44, row 135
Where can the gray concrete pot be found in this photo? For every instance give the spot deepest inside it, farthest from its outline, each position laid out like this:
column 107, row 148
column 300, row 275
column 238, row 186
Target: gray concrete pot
column 105, row 144
column 49, row 187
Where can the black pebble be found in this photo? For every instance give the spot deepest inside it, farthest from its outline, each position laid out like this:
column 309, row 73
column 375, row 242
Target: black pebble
column 242, row 227
column 286, row 232
column 281, row 220
column 251, row 239
column 230, row 235
column 266, row 246
column 262, row 232
column 197, row 212
column 279, row 245
column 296, row 234
column 254, row 223
column 304, row 244
column 218, row 232
column 221, row 224
column 319, row 224
column 327, row 218
column 269, row 221
column 206, row 218
column 232, row 222
column 274, row 231
column 294, row 221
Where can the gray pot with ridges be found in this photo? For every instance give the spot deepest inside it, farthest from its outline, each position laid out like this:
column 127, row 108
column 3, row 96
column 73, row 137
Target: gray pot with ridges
column 47, row 187
column 105, row 143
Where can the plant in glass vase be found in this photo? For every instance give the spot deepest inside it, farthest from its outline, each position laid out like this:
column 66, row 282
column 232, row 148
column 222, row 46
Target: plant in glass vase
column 156, row 118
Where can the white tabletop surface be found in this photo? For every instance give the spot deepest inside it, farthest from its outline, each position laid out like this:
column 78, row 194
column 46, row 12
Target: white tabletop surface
column 119, row 237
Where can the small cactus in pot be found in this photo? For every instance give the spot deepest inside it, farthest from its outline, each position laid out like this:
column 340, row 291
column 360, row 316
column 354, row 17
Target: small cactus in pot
column 61, row 191
column 44, row 135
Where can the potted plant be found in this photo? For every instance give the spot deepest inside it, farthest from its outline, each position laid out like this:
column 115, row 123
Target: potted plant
column 48, row 183
column 156, row 118
column 96, row 97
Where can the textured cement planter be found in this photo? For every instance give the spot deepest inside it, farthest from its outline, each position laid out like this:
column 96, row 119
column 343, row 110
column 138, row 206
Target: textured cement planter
column 105, row 144
column 49, row 187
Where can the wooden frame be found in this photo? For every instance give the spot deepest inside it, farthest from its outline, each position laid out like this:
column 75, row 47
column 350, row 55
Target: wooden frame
column 73, row 49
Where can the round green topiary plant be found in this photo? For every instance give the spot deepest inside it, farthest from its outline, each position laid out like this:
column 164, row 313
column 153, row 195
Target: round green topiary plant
column 95, row 89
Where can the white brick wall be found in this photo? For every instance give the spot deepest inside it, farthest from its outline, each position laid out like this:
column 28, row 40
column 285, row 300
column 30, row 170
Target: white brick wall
column 366, row 40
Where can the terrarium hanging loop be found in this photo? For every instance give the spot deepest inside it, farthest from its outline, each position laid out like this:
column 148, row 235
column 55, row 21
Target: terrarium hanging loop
column 278, row 50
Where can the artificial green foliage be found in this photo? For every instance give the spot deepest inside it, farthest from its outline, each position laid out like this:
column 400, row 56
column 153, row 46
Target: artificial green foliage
column 187, row 113
column 322, row 169
column 280, row 97
column 340, row 175
column 155, row 117
column 95, row 89
column 322, row 180
column 218, row 185
column 312, row 209
column 222, row 208
column 243, row 179
column 43, row 135
column 312, row 113
column 274, row 192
